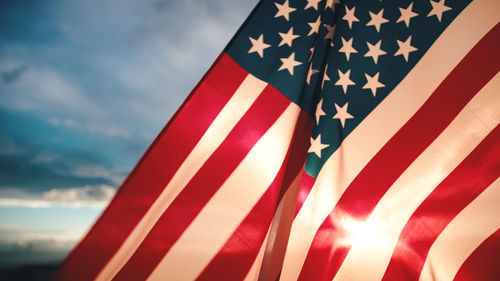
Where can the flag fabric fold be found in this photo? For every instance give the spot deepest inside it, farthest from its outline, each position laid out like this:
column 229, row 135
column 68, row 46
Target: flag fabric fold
column 330, row 140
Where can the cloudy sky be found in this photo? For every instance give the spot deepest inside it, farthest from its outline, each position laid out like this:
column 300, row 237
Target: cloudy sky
column 85, row 86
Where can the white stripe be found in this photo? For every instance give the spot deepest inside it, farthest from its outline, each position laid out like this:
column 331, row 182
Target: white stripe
column 229, row 116
column 374, row 251
column 463, row 235
column 281, row 223
column 280, row 230
column 382, row 123
column 213, row 226
column 253, row 273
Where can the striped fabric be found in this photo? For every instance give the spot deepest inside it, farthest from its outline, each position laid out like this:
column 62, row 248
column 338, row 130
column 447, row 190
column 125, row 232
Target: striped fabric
column 331, row 140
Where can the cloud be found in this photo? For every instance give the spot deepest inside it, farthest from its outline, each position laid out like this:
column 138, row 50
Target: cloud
column 26, row 165
column 28, row 245
column 77, row 197
column 11, row 76
column 96, row 171
column 57, row 97
column 8, row 147
column 101, row 193
column 172, row 53
column 113, row 73
column 45, row 158
column 46, row 90
column 91, row 127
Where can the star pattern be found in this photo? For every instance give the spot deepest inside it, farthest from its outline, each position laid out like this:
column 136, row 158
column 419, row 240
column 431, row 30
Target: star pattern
column 405, row 48
column 287, row 38
column 347, row 48
column 258, row 45
column 438, row 8
column 284, row 10
column 377, row 20
column 331, row 29
column 374, row 51
column 314, row 26
column 333, row 59
column 349, row 16
column 310, row 73
column 289, row 63
column 406, row 15
column 316, row 146
column 325, row 77
column 344, row 80
column 312, row 4
column 311, row 54
column 372, row 83
column 330, row 4
column 342, row 115
column 319, row 111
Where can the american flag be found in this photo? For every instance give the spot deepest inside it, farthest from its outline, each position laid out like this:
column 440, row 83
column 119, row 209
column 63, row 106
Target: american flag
column 331, row 140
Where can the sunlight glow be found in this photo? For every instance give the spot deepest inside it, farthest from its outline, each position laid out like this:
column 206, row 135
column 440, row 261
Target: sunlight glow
column 369, row 233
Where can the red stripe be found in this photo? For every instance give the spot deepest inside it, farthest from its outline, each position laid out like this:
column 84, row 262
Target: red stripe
column 482, row 264
column 463, row 185
column 305, row 188
column 152, row 172
column 360, row 198
column 236, row 257
column 184, row 209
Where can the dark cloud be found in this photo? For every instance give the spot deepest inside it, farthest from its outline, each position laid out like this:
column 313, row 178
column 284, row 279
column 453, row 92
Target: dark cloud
column 35, row 252
column 35, row 168
column 11, row 76
column 38, row 172
column 77, row 197
column 15, row 252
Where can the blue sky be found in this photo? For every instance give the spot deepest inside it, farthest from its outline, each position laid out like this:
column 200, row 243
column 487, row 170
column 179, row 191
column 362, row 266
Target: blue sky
column 85, row 86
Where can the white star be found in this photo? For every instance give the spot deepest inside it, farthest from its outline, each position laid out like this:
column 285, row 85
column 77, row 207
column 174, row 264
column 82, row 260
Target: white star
column 377, row 20
column 438, row 8
column 406, row 15
column 405, row 48
column 342, row 114
column 289, row 63
column 372, row 83
column 349, row 16
column 258, row 46
column 314, row 26
column 330, row 28
column 374, row 51
column 287, row 38
column 284, row 10
column 317, row 146
column 344, row 80
column 347, row 48
column 312, row 53
column 319, row 111
column 325, row 77
column 310, row 73
column 312, row 4
column 330, row 3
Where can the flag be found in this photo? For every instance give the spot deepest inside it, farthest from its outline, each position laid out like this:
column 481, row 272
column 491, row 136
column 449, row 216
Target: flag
column 331, row 140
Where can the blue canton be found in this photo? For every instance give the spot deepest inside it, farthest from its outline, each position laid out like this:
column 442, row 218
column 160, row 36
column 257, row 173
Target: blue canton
column 336, row 59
